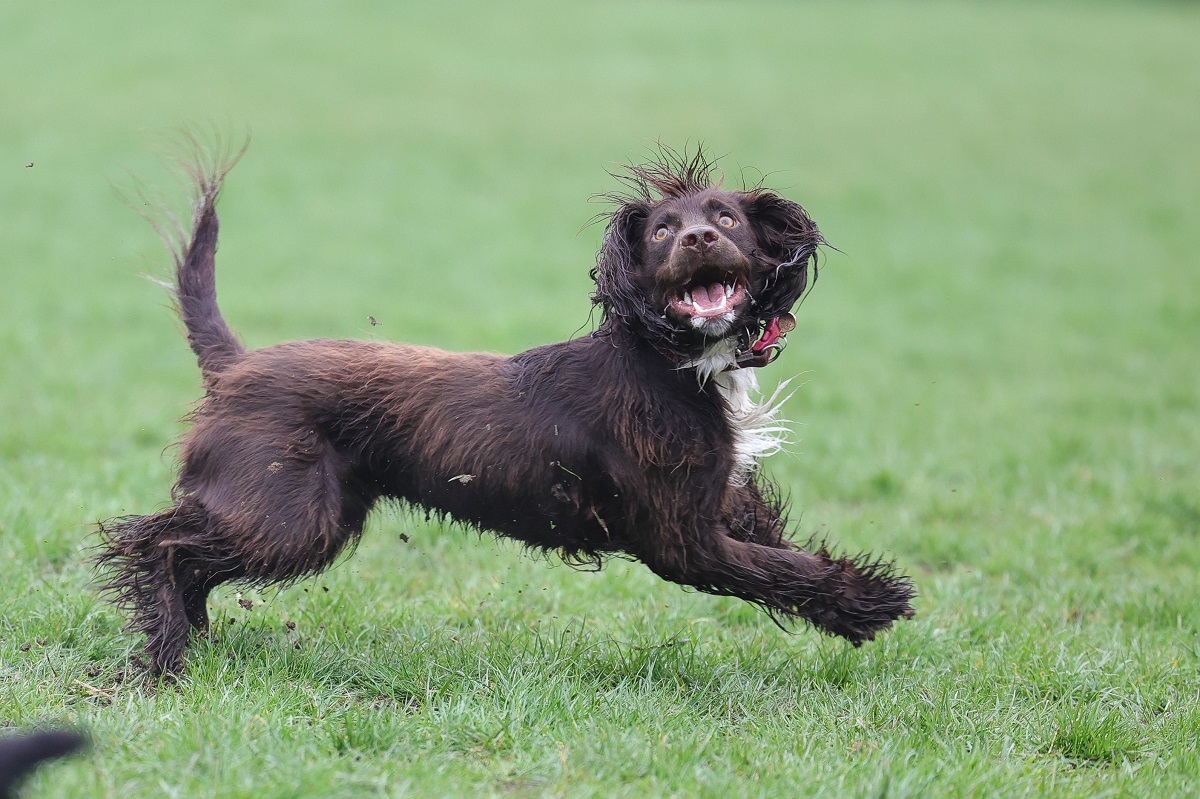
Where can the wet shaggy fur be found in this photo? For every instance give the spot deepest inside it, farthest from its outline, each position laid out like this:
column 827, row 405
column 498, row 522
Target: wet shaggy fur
column 638, row 440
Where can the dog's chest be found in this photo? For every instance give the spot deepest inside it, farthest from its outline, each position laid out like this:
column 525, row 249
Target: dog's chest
column 757, row 432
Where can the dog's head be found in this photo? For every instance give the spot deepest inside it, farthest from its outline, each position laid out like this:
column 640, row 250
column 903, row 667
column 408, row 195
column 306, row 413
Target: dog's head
column 686, row 264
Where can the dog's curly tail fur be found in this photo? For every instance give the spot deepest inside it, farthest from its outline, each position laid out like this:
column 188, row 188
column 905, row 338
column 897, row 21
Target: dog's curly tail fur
column 210, row 338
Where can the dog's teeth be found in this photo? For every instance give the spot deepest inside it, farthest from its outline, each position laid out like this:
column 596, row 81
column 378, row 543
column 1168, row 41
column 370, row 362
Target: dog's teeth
column 728, row 289
column 687, row 298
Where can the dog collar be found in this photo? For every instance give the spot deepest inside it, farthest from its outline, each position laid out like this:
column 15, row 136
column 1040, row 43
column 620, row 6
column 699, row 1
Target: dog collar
column 769, row 344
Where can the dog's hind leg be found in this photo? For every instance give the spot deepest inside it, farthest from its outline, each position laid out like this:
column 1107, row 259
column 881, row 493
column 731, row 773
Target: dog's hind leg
column 198, row 574
column 270, row 514
column 145, row 560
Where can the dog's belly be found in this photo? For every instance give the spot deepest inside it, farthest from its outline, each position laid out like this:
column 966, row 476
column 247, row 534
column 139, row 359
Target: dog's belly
column 502, row 472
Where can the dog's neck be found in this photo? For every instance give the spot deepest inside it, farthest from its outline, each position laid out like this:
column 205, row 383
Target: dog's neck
column 755, row 346
column 716, row 359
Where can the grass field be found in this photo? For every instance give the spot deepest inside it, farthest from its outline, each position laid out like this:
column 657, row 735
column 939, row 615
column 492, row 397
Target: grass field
column 998, row 373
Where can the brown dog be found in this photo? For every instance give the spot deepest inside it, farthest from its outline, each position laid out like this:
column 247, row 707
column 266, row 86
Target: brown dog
column 640, row 439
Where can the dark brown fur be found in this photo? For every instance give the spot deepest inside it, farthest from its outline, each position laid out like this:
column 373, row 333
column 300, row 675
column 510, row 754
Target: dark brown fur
column 613, row 444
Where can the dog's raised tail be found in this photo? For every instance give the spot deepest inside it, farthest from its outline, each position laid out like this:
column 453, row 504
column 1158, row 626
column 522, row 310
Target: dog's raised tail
column 210, row 338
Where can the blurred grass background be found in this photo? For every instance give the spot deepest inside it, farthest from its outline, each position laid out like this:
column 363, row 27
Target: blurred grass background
column 997, row 375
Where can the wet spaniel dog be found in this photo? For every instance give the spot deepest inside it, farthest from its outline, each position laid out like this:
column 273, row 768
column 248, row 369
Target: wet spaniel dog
column 640, row 440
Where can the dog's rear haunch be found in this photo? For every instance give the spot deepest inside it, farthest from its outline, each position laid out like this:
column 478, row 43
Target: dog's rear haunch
column 639, row 440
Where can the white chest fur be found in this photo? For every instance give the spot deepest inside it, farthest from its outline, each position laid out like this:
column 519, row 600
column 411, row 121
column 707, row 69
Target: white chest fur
column 758, row 429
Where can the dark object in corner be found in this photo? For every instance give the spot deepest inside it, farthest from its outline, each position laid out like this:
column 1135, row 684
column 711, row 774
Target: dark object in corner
column 20, row 754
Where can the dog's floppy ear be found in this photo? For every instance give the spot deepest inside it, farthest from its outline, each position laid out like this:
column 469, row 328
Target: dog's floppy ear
column 788, row 239
column 618, row 260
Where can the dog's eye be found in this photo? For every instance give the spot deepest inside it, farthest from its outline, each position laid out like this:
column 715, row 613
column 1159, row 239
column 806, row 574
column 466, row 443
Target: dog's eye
column 725, row 220
column 660, row 233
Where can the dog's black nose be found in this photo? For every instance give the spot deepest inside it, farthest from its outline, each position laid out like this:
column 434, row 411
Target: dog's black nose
column 698, row 238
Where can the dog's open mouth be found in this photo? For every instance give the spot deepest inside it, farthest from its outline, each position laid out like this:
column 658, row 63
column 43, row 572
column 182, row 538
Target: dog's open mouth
column 708, row 298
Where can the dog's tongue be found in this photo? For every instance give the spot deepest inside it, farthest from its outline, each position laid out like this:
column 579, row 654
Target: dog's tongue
column 707, row 298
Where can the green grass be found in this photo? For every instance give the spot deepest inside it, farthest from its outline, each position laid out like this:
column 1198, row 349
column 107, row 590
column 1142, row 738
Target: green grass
column 998, row 386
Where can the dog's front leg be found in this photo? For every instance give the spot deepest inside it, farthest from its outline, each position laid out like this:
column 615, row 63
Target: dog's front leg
column 851, row 597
